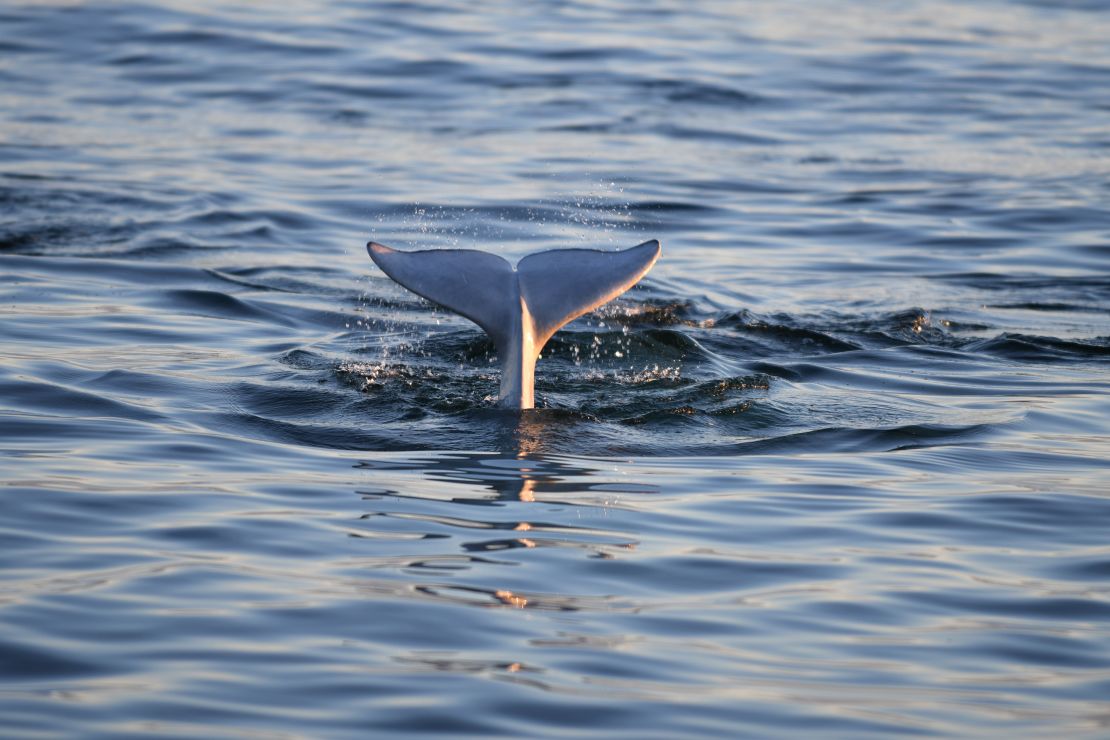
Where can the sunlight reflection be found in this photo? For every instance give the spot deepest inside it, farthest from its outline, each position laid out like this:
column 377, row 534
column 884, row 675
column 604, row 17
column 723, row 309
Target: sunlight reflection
column 510, row 599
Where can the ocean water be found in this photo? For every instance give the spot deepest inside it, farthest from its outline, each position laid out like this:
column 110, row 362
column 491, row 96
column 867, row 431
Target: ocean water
column 838, row 467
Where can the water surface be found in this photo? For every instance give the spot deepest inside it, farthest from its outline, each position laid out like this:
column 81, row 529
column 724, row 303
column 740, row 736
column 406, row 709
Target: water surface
column 837, row 467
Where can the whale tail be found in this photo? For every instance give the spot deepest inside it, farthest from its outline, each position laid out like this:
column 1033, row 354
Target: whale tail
column 518, row 308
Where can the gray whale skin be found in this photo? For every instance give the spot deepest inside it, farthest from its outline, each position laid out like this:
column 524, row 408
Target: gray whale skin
column 519, row 308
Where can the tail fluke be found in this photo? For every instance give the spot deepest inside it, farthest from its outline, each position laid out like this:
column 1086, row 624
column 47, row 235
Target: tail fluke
column 471, row 283
column 562, row 284
column 519, row 308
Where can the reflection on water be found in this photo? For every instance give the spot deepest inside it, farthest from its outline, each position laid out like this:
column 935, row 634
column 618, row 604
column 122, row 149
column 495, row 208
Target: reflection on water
column 527, row 435
column 887, row 573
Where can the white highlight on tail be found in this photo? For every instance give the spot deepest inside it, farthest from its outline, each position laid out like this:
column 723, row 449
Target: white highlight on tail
column 519, row 308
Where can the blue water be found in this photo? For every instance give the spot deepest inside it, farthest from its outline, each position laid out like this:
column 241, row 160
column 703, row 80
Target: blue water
column 839, row 467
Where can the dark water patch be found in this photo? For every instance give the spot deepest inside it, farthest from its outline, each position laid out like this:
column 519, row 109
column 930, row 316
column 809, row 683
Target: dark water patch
column 1043, row 349
column 127, row 382
column 1045, row 513
column 16, row 47
column 1045, row 651
column 911, row 326
column 670, row 207
column 1048, row 219
column 222, row 218
column 1055, row 307
column 731, row 137
column 19, row 429
column 253, row 426
column 542, row 80
column 782, row 336
column 909, row 437
column 665, row 397
column 46, row 397
column 969, row 242
column 598, row 127
column 144, row 60
column 305, row 359
column 288, row 402
column 1095, row 567
column 302, row 278
column 685, row 91
column 23, row 663
column 364, row 91
column 221, row 305
column 90, row 272
column 657, row 312
column 1063, row 609
column 227, row 41
column 737, row 185
column 1095, row 286
column 432, row 68
column 594, row 54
